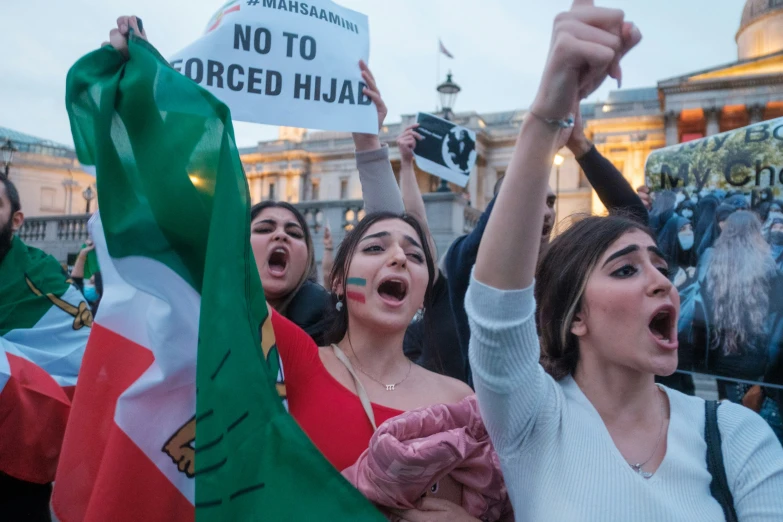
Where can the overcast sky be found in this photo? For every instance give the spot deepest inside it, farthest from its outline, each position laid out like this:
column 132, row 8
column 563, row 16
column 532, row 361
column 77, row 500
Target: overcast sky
column 499, row 48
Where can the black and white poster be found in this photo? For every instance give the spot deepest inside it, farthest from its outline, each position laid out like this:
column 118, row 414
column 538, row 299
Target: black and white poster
column 718, row 214
column 447, row 150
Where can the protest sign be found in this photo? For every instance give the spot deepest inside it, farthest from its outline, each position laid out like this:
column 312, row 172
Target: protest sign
column 718, row 215
column 447, row 150
column 285, row 62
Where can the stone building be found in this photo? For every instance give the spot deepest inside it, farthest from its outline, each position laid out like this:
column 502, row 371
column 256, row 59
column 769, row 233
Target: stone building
column 316, row 170
column 48, row 176
column 626, row 127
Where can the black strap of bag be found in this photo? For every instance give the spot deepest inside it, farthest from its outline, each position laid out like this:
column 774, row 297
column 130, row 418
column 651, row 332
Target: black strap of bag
column 719, row 487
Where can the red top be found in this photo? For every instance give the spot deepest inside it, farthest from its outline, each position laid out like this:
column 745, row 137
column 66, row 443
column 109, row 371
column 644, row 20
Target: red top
column 328, row 412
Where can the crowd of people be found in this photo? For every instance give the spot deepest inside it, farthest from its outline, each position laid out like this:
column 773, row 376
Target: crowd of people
column 562, row 339
column 724, row 252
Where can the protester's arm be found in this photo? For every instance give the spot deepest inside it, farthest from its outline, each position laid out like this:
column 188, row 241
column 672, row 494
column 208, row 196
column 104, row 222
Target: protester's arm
column 512, row 388
column 411, row 195
column 379, row 188
column 612, row 188
column 81, row 260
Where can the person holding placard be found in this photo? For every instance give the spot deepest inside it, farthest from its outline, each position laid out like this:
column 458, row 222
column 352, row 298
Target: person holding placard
column 287, row 261
column 581, row 428
column 280, row 237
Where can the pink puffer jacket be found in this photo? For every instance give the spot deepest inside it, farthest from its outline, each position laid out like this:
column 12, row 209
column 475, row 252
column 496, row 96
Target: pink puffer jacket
column 410, row 453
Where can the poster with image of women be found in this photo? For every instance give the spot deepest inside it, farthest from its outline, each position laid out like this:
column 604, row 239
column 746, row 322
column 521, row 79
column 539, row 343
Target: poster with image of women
column 718, row 215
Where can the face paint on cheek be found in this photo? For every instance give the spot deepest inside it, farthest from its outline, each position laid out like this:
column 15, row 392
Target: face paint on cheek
column 353, row 294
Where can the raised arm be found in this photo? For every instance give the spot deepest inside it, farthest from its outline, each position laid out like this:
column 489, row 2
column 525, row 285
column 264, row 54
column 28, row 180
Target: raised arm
column 513, row 389
column 612, row 188
column 411, row 195
column 379, row 188
column 78, row 266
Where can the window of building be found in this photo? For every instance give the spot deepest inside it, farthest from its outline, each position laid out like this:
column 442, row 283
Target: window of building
column 271, row 192
column 315, row 189
column 344, row 188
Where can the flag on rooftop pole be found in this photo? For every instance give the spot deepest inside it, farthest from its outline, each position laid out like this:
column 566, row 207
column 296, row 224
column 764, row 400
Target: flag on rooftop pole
column 176, row 349
column 443, row 49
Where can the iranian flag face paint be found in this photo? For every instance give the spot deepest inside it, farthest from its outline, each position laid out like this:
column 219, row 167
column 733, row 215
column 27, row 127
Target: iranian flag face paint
column 356, row 294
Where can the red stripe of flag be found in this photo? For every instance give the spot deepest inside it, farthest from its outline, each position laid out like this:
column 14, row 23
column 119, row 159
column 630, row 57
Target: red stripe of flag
column 102, row 474
column 33, row 415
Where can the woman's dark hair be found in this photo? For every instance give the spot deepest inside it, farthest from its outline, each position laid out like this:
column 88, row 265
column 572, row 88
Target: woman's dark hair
column 738, row 280
column 663, row 207
column 722, row 213
column 561, row 279
column 342, row 262
column 310, row 271
column 669, row 243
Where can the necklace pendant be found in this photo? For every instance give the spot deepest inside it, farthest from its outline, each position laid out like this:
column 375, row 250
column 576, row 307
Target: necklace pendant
column 638, row 469
column 389, row 387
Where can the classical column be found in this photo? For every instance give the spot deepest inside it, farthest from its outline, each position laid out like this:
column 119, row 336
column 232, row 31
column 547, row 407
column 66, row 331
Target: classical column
column 712, row 115
column 671, row 125
column 755, row 112
column 257, row 191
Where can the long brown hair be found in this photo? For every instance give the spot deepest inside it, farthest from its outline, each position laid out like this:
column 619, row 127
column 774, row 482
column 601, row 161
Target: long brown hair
column 342, row 263
column 738, row 280
column 310, row 271
column 561, row 279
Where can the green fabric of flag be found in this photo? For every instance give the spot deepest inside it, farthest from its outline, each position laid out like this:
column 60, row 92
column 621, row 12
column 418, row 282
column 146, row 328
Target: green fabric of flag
column 27, row 275
column 172, row 189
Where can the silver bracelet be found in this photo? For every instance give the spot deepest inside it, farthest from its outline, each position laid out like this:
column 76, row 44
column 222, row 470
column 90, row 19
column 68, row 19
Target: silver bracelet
column 565, row 123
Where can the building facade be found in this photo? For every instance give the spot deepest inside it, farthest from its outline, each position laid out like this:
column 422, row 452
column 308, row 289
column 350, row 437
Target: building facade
column 306, row 167
column 48, row 177
column 625, row 128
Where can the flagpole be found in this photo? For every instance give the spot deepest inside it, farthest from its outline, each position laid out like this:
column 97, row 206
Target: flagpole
column 437, row 72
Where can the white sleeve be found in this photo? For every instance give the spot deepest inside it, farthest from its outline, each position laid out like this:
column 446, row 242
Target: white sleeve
column 753, row 458
column 515, row 394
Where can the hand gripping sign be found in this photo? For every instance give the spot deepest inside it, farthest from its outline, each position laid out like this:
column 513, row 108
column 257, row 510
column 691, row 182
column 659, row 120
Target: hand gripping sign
column 285, row 62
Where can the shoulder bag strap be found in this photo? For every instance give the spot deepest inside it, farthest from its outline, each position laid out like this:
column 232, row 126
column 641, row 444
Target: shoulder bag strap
column 719, row 487
column 363, row 397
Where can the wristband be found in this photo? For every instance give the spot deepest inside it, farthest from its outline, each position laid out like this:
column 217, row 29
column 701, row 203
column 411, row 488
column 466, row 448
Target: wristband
column 565, row 123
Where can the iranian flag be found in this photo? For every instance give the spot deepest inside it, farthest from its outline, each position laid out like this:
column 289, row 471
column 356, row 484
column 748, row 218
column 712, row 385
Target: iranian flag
column 44, row 325
column 179, row 410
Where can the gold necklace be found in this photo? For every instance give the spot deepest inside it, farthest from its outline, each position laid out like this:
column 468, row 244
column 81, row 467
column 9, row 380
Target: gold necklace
column 389, row 387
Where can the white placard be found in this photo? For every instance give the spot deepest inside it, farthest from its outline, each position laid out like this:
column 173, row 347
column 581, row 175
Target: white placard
column 285, row 62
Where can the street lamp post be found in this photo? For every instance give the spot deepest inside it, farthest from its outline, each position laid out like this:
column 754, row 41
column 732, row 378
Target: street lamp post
column 447, row 91
column 8, row 150
column 88, row 196
column 557, row 161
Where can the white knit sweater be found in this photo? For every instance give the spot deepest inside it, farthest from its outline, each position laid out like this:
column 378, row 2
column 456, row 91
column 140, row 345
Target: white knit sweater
column 559, row 461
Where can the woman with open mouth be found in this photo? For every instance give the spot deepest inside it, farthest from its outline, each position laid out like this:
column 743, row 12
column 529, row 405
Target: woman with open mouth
column 283, row 245
column 360, row 377
column 564, row 358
